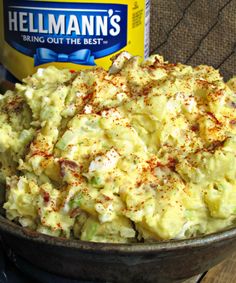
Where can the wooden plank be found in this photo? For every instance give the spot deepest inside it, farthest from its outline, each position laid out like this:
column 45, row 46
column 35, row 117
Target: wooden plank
column 225, row 272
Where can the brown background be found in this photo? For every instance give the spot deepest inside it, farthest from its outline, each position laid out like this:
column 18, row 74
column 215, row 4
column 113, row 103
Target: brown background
column 196, row 32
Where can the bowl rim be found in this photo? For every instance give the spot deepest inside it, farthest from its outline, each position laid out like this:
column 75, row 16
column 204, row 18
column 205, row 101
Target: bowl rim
column 7, row 226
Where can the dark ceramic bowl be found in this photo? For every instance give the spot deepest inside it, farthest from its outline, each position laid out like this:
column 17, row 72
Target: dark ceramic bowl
column 161, row 262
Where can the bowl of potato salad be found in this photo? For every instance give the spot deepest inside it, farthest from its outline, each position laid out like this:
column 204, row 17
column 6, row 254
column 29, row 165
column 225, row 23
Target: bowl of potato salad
column 122, row 175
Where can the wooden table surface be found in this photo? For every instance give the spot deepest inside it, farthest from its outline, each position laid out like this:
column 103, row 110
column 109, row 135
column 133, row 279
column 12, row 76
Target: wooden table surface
column 224, row 272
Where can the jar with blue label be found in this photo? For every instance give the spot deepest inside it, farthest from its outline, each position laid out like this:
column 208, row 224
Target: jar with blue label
column 70, row 34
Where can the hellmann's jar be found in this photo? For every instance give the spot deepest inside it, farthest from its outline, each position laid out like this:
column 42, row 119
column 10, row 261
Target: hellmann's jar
column 70, row 34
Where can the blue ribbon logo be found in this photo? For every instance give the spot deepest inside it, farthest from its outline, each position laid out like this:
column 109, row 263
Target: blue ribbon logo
column 81, row 57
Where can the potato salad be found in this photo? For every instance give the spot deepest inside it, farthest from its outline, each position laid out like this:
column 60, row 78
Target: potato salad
column 143, row 152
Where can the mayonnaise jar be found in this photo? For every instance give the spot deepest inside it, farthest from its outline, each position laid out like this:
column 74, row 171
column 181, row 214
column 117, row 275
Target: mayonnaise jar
column 70, row 34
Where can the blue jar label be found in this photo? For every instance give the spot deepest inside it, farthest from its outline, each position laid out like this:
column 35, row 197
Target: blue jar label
column 65, row 32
